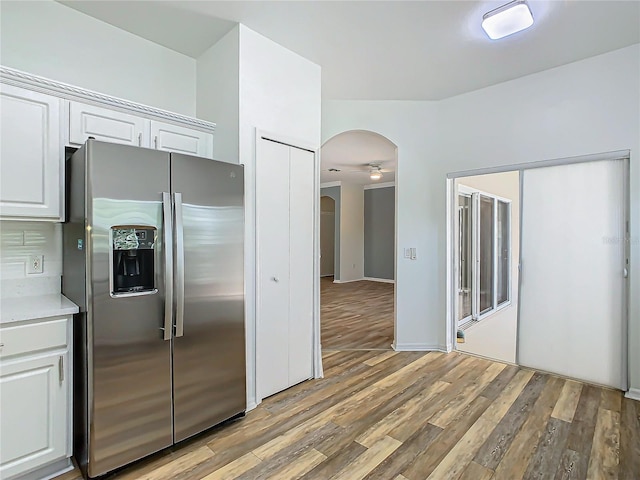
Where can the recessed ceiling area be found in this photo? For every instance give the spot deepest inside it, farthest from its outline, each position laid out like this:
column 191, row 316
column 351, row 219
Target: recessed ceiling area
column 389, row 50
column 352, row 153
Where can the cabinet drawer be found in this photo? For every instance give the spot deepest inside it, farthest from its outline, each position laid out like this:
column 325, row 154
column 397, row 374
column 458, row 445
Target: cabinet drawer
column 33, row 337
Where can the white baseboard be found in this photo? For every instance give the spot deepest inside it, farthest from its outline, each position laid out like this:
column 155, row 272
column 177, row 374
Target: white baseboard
column 418, row 347
column 368, row 279
column 633, row 394
column 383, row 280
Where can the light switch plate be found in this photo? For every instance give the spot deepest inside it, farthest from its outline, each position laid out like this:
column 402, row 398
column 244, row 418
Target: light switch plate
column 35, row 264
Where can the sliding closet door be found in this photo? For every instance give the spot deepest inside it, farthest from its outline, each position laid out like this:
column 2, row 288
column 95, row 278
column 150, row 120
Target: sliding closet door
column 572, row 278
column 285, row 234
column 272, row 237
column 301, row 265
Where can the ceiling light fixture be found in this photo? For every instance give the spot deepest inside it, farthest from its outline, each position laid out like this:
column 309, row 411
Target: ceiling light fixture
column 375, row 173
column 507, row 19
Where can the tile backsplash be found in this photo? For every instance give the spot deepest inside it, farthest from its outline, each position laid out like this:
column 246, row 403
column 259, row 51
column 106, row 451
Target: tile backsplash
column 18, row 242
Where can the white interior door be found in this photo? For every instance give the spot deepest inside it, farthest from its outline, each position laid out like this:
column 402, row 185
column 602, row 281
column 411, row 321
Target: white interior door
column 572, row 279
column 272, row 236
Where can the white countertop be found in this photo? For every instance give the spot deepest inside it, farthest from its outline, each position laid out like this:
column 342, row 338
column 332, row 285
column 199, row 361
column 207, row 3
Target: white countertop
column 31, row 308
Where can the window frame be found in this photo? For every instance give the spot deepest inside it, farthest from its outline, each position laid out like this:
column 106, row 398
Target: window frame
column 476, row 195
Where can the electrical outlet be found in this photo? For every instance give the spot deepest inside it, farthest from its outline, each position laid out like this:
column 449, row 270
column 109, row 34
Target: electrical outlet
column 34, row 264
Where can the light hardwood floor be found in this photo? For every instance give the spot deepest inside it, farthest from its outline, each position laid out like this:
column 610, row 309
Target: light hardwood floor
column 415, row 415
column 356, row 315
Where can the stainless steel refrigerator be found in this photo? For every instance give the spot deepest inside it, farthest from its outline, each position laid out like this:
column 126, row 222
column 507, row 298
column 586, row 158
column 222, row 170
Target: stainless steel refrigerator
column 153, row 254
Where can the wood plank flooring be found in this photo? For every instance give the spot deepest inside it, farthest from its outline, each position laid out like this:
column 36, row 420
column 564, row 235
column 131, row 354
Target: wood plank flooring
column 356, row 315
column 415, row 415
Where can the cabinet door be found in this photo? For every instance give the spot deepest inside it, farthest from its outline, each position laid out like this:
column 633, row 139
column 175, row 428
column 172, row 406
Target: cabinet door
column 173, row 138
column 33, row 413
column 31, row 154
column 106, row 125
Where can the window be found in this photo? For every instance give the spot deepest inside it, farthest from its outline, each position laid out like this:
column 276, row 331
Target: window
column 484, row 254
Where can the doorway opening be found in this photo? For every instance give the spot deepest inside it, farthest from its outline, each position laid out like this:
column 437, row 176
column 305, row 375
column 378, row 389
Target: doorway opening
column 487, row 252
column 358, row 208
column 572, row 271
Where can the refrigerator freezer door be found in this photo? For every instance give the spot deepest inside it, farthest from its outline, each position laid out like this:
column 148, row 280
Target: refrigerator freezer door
column 209, row 357
column 129, row 362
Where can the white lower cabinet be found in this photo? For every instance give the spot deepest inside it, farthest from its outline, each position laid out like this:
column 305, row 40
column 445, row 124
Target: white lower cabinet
column 34, row 399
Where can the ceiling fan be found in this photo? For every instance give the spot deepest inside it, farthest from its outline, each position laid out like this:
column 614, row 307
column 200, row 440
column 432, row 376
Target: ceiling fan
column 374, row 169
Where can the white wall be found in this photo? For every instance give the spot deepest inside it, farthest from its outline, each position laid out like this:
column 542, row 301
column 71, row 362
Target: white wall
column 351, row 232
column 581, row 108
column 49, row 39
column 218, row 94
column 20, row 240
column 279, row 93
column 495, row 336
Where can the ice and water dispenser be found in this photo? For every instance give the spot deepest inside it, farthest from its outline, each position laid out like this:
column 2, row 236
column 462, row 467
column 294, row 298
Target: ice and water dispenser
column 133, row 259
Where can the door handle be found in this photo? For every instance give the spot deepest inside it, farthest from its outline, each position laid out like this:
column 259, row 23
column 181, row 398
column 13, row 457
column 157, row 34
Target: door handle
column 61, row 368
column 177, row 202
column 140, row 139
column 168, row 265
column 155, row 142
column 275, row 279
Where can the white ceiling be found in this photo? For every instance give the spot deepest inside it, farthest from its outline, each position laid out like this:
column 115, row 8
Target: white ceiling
column 386, row 50
column 352, row 152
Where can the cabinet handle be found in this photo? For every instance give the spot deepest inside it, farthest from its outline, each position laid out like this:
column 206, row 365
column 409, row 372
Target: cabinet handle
column 155, row 142
column 140, row 139
column 61, row 368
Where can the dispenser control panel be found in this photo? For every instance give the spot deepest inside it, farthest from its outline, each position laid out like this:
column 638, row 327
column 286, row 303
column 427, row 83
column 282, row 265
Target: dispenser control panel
column 132, row 260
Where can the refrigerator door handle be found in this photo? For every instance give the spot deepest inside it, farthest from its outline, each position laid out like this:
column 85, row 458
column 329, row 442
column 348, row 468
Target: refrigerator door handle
column 179, row 326
column 168, row 265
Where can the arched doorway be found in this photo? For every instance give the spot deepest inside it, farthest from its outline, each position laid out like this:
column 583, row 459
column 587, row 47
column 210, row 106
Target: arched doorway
column 357, row 303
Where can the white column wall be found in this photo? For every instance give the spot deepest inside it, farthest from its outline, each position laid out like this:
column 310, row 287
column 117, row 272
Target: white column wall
column 218, row 94
column 351, row 232
column 279, row 92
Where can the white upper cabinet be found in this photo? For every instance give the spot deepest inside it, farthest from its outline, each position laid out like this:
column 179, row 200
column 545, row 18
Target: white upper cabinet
column 117, row 127
column 31, row 153
column 36, row 127
column 106, row 125
column 173, row 138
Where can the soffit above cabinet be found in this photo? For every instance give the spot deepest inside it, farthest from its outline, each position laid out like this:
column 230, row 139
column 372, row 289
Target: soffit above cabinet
column 19, row 78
